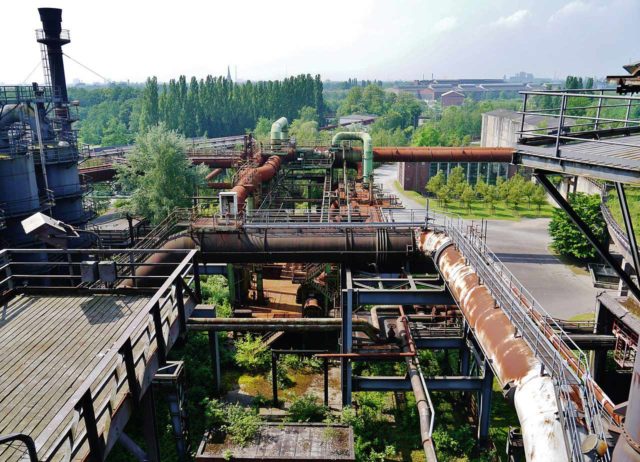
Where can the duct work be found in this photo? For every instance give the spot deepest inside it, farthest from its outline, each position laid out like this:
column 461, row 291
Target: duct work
column 279, row 132
column 367, row 150
column 251, row 178
column 512, row 360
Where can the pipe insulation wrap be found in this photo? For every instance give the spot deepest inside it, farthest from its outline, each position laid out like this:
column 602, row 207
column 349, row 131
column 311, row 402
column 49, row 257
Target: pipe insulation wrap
column 511, row 358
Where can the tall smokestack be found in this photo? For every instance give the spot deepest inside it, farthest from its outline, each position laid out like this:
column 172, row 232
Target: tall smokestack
column 53, row 38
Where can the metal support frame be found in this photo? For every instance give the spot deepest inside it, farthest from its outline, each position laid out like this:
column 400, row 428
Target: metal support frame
column 628, row 224
column 149, row 426
column 439, row 383
column 170, row 379
column 584, row 228
column 484, row 411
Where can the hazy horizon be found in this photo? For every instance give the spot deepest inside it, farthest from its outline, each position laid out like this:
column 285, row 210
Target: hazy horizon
column 369, row 39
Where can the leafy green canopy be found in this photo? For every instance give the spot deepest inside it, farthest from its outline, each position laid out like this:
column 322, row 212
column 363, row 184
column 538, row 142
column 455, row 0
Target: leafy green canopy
column 158, row 175
column 567, row 238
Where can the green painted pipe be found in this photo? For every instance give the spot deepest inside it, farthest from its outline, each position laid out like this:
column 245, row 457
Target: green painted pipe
column 279, row 131
column 367, row 149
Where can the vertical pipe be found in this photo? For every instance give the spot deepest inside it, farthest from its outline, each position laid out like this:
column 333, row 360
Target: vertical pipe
column 347, row 310
column 149, row 428
column 214, row 353
column 325, row 370
column 274, row 378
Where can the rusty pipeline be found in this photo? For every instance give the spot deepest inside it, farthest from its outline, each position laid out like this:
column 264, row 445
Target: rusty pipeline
column 277, row 324
column 511, row 358
column 431, row 154
column 250, row 178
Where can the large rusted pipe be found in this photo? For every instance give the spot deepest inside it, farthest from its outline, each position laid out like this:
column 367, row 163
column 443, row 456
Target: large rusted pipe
column 306, row 245
column 214, row 173
column 511, row 358
column 250, row 178
column 432, row 154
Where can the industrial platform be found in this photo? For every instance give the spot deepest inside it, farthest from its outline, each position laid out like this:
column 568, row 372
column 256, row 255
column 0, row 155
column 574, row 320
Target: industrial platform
column 43, row 366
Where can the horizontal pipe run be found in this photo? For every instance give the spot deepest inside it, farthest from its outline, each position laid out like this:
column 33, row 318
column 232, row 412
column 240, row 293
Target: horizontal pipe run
column 284, row 324
column 436, row 383
column 432, row 154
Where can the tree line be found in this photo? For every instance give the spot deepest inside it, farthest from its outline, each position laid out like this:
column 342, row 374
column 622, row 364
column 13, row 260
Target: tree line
column 514, row 192
column 216, row 106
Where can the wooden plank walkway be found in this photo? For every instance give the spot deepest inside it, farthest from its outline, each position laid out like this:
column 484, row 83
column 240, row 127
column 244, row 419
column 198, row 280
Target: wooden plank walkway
column 48, row 346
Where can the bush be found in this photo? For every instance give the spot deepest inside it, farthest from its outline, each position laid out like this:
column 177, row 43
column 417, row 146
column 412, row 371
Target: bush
column 301, row 364
column 306, row 408
column 243, row 423
column 215, row 291
column 252, row 354
column 240, row 423
column 567, row 238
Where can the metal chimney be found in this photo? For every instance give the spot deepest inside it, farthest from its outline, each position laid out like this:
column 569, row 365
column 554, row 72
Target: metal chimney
column 54, row 38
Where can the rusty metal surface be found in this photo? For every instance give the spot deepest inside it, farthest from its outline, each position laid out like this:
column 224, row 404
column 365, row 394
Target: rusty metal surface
column 442, row 154
column 512, row 360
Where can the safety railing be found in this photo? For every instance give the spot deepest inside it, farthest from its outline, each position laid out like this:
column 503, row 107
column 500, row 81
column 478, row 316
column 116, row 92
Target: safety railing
column 22, row 445
column 558, row 354
column 16, row 94
column 596, row 116
column 282, row 218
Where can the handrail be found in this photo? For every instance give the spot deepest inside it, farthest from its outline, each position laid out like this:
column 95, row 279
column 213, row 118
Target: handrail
column 25, row 439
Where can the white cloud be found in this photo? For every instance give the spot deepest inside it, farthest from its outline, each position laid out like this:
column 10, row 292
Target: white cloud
column 445, row 24
column 512, row 20
column 570, row 9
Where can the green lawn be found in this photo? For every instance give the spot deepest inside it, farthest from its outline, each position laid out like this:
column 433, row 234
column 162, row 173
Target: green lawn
column 479, row 209
column 633, row 200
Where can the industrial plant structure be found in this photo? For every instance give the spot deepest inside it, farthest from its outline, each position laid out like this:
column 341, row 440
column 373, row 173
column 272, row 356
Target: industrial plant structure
column 85, row 332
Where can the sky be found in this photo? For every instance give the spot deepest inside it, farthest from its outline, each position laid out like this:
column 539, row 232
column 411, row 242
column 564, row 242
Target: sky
column 366, row 39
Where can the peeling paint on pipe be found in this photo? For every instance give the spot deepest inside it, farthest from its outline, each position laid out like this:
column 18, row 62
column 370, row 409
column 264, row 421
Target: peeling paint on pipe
column 512, row 360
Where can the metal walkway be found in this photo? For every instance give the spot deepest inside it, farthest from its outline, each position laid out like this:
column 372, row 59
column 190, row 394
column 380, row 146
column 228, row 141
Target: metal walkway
column 592, row 133
column 77, row 356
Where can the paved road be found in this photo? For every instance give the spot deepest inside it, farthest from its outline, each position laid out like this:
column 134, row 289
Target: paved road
column 524, row 247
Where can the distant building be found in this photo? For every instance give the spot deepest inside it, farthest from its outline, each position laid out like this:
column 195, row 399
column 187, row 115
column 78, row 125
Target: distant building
column 500, row 127
column 363, row 119
column 452, row 98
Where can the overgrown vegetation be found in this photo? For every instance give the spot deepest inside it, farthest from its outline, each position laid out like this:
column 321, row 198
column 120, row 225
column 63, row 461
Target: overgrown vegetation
column 567, row 239
column 307, row 408
column 240, row 423
column 252, row 354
